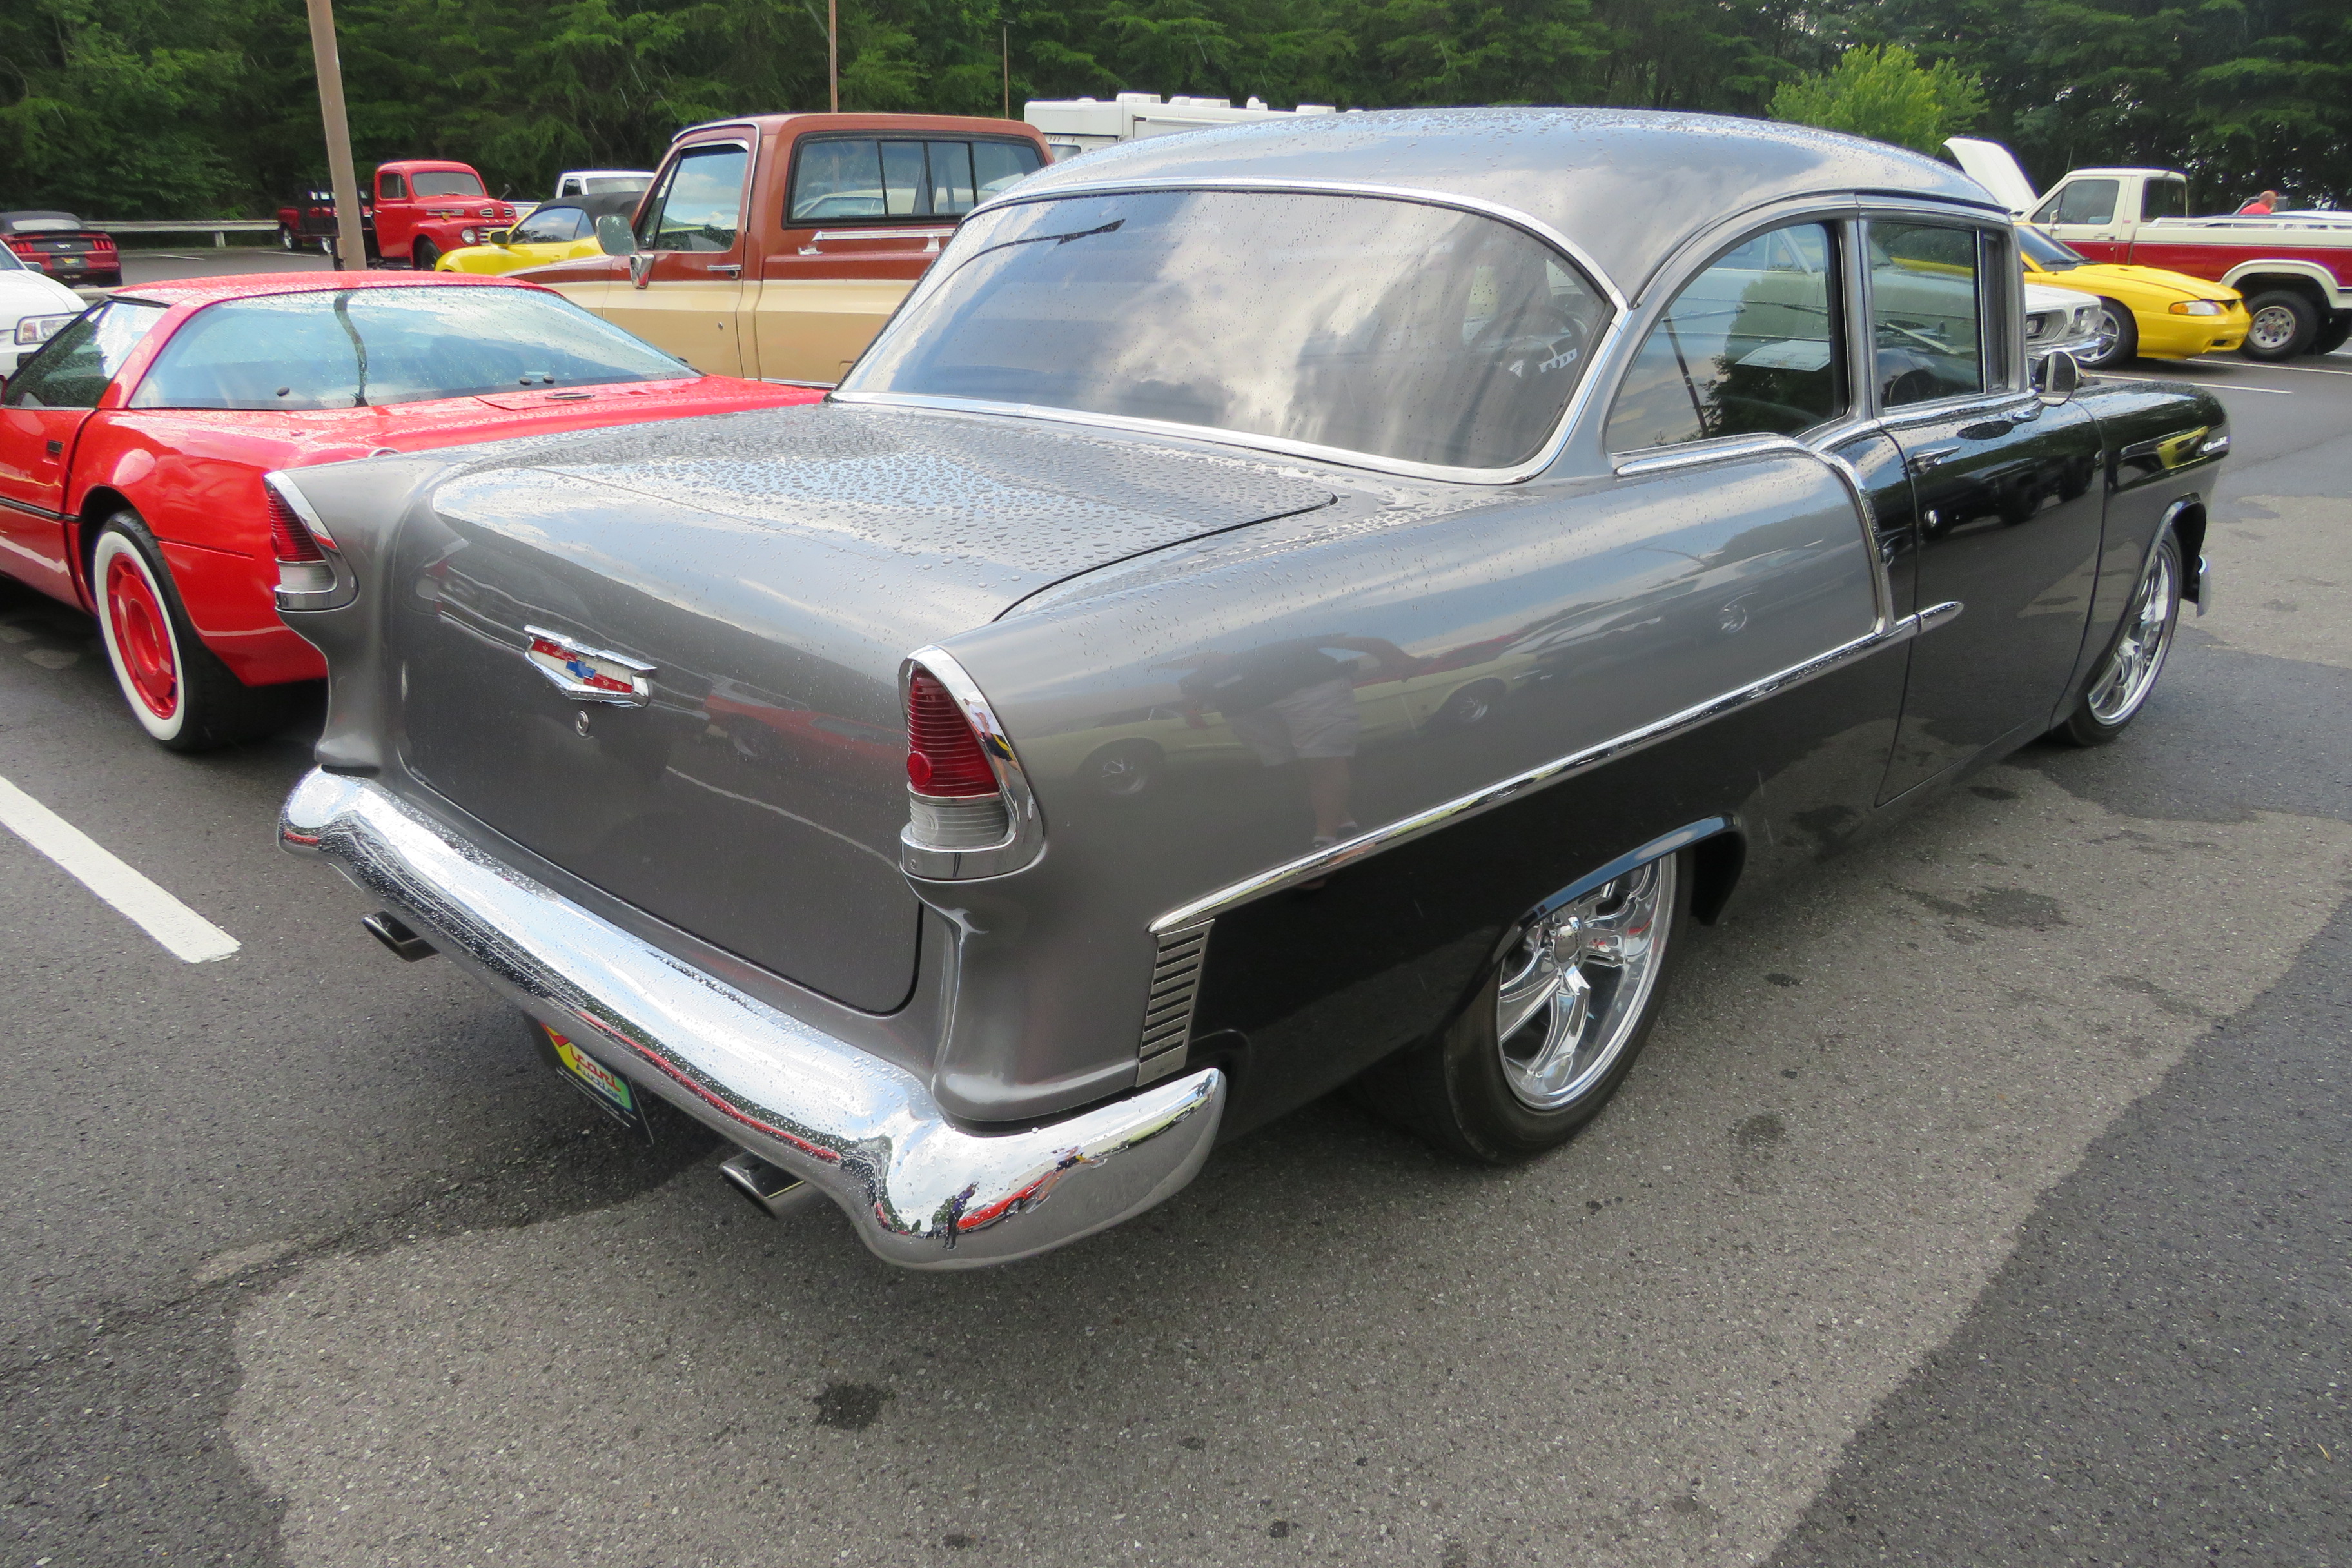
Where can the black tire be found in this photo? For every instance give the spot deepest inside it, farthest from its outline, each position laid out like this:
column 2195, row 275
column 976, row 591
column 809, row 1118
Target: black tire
column 142, row 627
column 422, row 254
column 2281, row 324
column 2118, row 335
column 1124, row 769
column 2114, row 696
column 1469, row 706
column 2332, row 334
column 1454, row 1090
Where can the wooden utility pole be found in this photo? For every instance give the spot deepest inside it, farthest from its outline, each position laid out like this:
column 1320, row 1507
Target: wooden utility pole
column 833, row 49
column 1008, row 71
column 351, row 234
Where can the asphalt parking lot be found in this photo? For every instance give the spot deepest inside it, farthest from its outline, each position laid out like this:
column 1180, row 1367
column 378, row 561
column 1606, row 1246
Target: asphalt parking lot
column 1983, row 1196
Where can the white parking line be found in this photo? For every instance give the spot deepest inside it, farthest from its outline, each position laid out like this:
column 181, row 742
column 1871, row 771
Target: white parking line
column 187, row 934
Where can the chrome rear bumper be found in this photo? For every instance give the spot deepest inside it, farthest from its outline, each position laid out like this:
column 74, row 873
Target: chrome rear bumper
column 922, row 1192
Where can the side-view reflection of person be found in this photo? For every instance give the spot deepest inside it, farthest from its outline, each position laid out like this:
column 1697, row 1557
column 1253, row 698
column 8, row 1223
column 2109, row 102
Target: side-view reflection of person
column 1292, row 702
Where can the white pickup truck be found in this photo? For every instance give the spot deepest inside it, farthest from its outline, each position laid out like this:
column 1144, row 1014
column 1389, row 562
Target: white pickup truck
column 2294, row 268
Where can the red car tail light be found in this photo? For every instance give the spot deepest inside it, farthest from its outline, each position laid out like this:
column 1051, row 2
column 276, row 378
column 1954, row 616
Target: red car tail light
column 944, row 759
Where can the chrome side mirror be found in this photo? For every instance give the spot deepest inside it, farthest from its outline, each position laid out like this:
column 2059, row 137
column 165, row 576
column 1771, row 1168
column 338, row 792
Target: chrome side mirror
column 641, row 268
column 612, row 235
column 2055, row 376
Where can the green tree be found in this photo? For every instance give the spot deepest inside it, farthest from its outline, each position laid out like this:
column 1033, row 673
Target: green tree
column 1883, row 91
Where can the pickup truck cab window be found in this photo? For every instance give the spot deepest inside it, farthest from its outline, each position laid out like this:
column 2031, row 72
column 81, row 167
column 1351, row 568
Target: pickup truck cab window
column 1927, row 319
column 448, row 183
column 2082, row 201
column 2162, row 199
column 1413, row 332
column 838, row 179
column 391, row 188
column 1749, row 346
column 72, row 369
column 699, row 205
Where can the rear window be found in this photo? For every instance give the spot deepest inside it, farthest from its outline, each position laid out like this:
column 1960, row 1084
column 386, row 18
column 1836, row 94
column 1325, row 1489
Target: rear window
column 447, row 183
column 846, row 179
column 2163, row 198
column 370, row 347
column 1387, row 327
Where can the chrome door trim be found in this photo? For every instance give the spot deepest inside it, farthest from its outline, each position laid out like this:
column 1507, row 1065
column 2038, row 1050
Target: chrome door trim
column 941, row 232
column 1596, row 354
column 1323, row 862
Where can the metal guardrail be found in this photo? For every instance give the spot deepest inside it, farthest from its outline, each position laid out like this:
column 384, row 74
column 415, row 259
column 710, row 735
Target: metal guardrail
column 220, row 228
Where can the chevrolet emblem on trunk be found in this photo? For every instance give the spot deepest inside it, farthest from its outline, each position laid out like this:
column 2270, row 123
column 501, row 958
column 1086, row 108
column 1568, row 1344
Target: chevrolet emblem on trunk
column 588, row 674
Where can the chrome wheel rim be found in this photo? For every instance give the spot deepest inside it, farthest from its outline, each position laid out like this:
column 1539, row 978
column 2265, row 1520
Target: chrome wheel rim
column 2110, row 337
column 2133, row 668
column 1575, row 982
column 2271, row 328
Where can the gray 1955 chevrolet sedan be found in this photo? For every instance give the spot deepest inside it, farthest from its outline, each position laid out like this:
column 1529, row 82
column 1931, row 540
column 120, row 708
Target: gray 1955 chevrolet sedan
column 1305, row 603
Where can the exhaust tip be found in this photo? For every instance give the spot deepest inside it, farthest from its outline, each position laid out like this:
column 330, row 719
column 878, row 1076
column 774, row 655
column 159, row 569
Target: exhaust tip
column 771, row 1189
column 405, row 944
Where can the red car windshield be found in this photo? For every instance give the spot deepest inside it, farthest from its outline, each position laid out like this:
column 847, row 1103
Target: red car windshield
column 353, row 348
column 445, row 182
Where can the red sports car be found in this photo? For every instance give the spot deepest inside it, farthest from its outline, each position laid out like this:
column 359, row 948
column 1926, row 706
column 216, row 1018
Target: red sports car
column 132, row 449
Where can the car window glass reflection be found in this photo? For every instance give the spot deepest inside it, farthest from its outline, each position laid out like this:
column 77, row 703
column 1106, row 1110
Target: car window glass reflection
column 369, row 347
column 550, row 225
column 701, row 206
column 1748, row 347
column 1924, row 319
column 1406, row 331
column 72, row 369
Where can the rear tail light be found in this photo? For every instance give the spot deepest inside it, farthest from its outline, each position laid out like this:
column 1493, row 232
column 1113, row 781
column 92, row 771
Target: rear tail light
column 309, row 576
column 969, row 809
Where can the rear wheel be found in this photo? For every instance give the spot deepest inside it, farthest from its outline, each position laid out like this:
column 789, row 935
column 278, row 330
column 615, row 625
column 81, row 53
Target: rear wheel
column 2119, row 339
column 181, row 693
column 1553, row 1031
column 287, row 239
column 2281, row 324
column 423, row 255
column 2120, row 688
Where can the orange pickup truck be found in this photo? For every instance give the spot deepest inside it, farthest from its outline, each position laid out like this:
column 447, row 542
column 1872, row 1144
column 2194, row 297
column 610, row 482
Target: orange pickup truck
column 777, row 244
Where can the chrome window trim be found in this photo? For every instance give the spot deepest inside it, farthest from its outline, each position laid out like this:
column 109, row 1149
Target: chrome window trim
column 1026, row 839
column 1546, row 453
column 1324, row 862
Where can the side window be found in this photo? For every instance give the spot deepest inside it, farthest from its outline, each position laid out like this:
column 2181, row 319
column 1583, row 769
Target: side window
column 834, row 180
column 1925, row 313
column 72, row 369
column 998, row 166
column 698, row 205
column 2088, row 201
column 905, row 191
column 550, row 225
column 952, row 177
column 2163, row 198
column 391, row 188
column 1748, row 347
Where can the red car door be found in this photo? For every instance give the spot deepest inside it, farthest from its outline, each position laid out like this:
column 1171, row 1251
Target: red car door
column 42, row 413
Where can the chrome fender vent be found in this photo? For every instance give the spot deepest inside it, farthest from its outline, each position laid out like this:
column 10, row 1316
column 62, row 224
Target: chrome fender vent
column 1168, row 1010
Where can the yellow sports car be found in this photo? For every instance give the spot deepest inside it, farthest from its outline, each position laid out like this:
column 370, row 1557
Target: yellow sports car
column 2143, row 309
column 557, row 231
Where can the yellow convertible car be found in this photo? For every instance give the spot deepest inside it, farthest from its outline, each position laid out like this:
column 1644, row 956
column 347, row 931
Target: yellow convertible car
column 556, row 231
column 2143, row 309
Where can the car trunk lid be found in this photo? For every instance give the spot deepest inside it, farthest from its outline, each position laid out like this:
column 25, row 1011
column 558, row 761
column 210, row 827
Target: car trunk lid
column 739, row 773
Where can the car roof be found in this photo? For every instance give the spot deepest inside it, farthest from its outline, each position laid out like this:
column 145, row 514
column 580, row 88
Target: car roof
column 45, row 216
column 253, row 285
column 818, row 120
column 1626, row 185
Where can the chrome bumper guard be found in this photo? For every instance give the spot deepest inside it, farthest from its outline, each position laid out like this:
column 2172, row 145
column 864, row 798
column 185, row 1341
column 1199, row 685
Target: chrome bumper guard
column 921, row 1191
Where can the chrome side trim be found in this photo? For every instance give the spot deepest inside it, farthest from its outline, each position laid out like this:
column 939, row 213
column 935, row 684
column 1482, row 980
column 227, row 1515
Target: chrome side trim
column 1168, row 1006
column 1597, row 354
column 941, row 232
column 1026, row 840
column 921, row 1191
column 1323, row 862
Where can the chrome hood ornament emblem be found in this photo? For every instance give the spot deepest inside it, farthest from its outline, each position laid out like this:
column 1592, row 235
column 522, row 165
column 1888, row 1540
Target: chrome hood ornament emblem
column 588, row 674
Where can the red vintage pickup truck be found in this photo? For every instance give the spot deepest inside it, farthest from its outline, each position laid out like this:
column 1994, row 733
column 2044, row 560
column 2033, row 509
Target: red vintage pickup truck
column 420, row 208
column 775, row 246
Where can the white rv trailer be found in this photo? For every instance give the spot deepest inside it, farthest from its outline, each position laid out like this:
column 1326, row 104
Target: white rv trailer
column 1075, row 125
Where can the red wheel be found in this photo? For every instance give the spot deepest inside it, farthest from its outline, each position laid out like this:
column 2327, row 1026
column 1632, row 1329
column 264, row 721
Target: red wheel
column 139, row 634
column 178, row 690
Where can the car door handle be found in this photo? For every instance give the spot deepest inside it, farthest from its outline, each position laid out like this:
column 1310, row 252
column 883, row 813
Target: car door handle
column 1927, row 457
column 731, row 269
